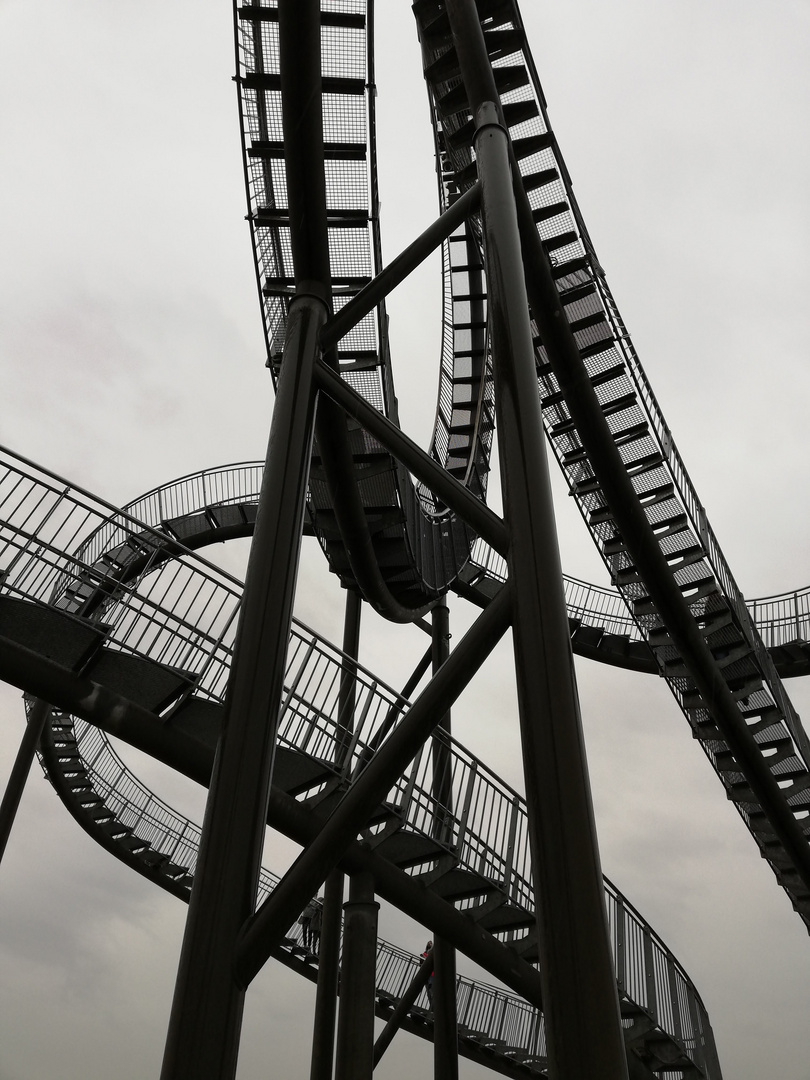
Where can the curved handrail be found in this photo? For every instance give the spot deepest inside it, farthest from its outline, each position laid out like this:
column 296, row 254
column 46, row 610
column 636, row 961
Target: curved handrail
column 503, row 1017
column 780, row 618
column 487, row 831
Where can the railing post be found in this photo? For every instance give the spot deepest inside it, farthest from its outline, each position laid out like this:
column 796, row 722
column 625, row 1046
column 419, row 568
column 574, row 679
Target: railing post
column 510, row 845
column 472, row 776
column 650, row 989
column 621, row 945
column 677, row 1024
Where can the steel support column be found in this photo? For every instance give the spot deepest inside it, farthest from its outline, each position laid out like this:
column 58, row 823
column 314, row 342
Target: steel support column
column 206, row 1017
column 206, row 1013
column 20, row 769
column 579, row 989
column 445, row 1025
column 323, row 1028
column 354, row 1059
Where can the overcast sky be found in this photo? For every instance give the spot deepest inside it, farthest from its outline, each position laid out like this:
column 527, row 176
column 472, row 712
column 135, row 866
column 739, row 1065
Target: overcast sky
column 131, row 352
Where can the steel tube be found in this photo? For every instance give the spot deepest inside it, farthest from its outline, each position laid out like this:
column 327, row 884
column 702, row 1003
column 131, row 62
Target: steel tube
column 581, row 1003
column 369, row 790
column 206, row 1016
column 206, row 1013
column 354, row 1055
column 445, row 1022
column 396, row 272
column 323, row 1027
column 403, row 1006
column 459, row 498
column 20, row 770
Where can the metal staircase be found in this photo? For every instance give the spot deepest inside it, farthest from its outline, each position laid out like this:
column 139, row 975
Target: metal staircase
column 646, row 469
column 117, row 610
column 112, row 617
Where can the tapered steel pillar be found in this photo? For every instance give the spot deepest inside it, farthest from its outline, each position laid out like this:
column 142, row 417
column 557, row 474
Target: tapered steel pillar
column 355, row 1042
column 445, row 1026
column 579, row 989
column 206, row 1016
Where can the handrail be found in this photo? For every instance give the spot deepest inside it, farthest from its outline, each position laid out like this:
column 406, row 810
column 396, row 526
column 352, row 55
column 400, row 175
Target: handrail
column 177, row 837
column 780, row 618
column 139, row 616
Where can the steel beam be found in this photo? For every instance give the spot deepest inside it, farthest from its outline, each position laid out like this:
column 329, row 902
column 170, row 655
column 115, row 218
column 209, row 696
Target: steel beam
column 323, row 1027
column 354, row 1055
column 206, row 1017
column 370, row 789
column 581, row 1003
column 403, row 1006
column 445, row 1024
column 396, row 272
column 20, row 769
column 206, row 1013
column 459, row 498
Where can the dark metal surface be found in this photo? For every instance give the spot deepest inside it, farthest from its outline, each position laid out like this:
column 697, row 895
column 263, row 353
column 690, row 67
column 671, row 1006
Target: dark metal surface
column 206, row 1016
column 672, row 604
column 37, row 719
column 354, row 1054
column 582, row 1011
column 369, row 790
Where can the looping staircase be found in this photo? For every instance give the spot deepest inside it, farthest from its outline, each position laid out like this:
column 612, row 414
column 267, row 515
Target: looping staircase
column 631, row 416
column 480, row 865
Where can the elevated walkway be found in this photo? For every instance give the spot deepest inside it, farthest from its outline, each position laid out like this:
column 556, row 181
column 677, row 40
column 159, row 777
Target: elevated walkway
column 151, row 624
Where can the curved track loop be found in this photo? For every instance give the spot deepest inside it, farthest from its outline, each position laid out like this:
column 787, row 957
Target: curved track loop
column 601, row 417
column 193, row 510
column 727, row 684
column 122, row 604
column 748, row 707
column 418, row 545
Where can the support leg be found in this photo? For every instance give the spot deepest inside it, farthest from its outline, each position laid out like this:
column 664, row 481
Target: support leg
column 205, row 1023
column 355, row 1043
column 579, row 987
column 20, row 770
column 445, row 1027
column 323, row 1035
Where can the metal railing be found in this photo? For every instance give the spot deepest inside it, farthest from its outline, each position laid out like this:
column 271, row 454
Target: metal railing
column 485, row 820
column 646, row 971
column 502, row 1018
